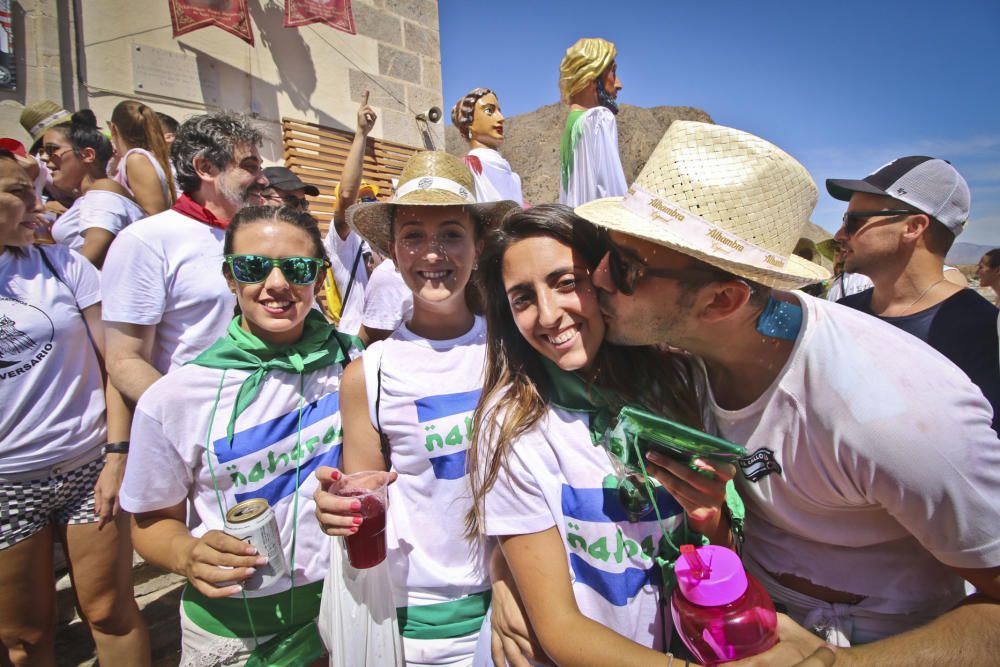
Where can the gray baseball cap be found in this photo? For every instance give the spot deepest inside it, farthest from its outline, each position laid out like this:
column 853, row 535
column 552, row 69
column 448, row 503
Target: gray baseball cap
column 930, row 185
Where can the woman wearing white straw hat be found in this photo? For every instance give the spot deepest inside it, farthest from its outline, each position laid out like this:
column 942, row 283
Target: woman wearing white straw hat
column 417, row 390
column 872, row 468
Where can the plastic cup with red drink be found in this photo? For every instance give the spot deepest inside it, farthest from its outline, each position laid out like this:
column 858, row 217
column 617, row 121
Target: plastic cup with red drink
column 366, row 548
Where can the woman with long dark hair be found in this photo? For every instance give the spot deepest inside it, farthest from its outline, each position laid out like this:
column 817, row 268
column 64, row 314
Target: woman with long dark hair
column 77, row 154
column 583, row 551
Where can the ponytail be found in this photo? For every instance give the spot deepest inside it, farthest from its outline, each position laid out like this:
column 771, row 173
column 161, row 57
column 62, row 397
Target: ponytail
column 139, row 127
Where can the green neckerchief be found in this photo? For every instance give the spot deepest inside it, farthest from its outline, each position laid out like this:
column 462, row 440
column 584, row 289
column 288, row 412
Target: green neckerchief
column 572, row 393
column 570, row 135
column 321, row 345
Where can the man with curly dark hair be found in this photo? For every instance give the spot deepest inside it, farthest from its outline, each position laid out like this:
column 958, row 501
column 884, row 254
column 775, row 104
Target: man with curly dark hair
column 164, row 297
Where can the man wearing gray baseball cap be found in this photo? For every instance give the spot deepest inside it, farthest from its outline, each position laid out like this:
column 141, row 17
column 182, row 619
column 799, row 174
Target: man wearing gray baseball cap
column 899, row 225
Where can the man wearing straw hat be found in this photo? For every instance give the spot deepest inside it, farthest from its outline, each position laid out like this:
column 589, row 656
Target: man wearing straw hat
column 591, row 167
column 870, row 484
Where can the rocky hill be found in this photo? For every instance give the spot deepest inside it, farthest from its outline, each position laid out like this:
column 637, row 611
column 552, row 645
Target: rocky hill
column 531, row 145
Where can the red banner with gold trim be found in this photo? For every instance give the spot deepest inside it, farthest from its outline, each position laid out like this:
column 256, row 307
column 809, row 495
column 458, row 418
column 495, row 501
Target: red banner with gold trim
column 233, row 16
column 335, row 13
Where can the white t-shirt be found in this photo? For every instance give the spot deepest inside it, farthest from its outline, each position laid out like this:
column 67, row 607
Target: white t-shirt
column 97, row 208
column 166, row 270
column 884, row 466
column 429, row 391
column 169, row 462
column 343, row 253
column 495, row 181
column 51, row 391
column 555, row 477
column 388, row 301
column 597, row 166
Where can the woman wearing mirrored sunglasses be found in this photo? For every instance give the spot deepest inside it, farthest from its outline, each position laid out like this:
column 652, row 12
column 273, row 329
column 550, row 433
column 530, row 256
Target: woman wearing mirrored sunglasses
column 578, row 541
column 249, row 418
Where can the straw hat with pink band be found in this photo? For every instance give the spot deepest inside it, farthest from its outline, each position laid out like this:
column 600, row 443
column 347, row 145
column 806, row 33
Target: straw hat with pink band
column 429, row 178
column 722, row 196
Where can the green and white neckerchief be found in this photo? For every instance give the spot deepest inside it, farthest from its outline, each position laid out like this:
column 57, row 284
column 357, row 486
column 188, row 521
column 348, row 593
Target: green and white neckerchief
column 320, row 346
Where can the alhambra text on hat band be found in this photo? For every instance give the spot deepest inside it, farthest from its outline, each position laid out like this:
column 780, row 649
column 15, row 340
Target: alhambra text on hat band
column 698, row 233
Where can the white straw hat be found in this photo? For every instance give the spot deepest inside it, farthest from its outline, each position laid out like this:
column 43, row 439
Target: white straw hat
column 429, row 178
column 725, row 197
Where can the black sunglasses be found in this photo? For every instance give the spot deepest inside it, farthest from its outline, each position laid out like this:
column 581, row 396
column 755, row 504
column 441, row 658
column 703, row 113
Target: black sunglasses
column 853, row 221
column 626, row 271
column 251, row 269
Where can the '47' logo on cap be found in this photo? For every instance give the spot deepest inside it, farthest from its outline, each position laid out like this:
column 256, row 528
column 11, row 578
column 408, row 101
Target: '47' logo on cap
column 759, row 464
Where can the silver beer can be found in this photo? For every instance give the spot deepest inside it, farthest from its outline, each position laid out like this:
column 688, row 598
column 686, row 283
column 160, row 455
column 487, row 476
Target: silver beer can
column 253, row 521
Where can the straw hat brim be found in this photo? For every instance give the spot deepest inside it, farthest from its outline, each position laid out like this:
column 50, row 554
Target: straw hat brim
column 610, row 214
column 371, row 220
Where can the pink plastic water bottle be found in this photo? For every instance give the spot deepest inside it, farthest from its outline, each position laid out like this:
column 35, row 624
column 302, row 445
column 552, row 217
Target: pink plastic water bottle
column 721, row 612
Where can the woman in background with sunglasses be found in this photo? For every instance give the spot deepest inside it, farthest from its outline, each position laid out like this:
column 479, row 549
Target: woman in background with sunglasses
column 249, row 418
column 77, row 155
column 580, row 546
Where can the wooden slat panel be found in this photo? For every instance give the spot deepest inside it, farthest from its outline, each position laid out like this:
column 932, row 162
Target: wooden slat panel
column 317, row 154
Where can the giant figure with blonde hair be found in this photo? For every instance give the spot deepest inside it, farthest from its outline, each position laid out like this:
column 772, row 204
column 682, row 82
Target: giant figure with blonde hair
column 591, row 167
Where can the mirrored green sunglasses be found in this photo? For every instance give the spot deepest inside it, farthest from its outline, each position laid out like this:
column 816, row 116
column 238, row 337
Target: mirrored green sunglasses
column 255, row 268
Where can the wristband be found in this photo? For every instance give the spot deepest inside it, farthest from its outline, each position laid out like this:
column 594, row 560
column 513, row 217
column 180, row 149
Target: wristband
column 116, row 447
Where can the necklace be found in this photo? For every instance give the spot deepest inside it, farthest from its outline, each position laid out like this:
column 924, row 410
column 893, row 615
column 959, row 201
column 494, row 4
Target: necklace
column 921, row 296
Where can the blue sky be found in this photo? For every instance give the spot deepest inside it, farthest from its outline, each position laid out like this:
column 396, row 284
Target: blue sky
column 844, row 87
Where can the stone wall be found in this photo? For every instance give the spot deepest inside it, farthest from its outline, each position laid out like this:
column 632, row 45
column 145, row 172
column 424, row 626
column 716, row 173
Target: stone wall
column 313, row 73
column 409, row 66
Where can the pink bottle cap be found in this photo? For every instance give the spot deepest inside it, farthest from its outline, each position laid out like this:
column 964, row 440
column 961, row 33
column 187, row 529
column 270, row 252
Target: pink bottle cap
column 710, row 576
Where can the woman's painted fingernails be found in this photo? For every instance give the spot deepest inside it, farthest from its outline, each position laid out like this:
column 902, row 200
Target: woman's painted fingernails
column 357, row 521
column 335, row 475
column 356, row 506
column 353, row 529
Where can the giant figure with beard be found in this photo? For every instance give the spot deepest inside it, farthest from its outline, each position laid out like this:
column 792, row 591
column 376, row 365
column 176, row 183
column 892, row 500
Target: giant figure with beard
column 591, row 167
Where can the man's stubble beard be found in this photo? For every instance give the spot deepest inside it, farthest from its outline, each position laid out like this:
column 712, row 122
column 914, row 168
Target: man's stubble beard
column 648, row 324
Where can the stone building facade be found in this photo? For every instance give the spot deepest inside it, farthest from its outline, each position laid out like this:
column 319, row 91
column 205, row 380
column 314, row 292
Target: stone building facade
column 95, row 53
